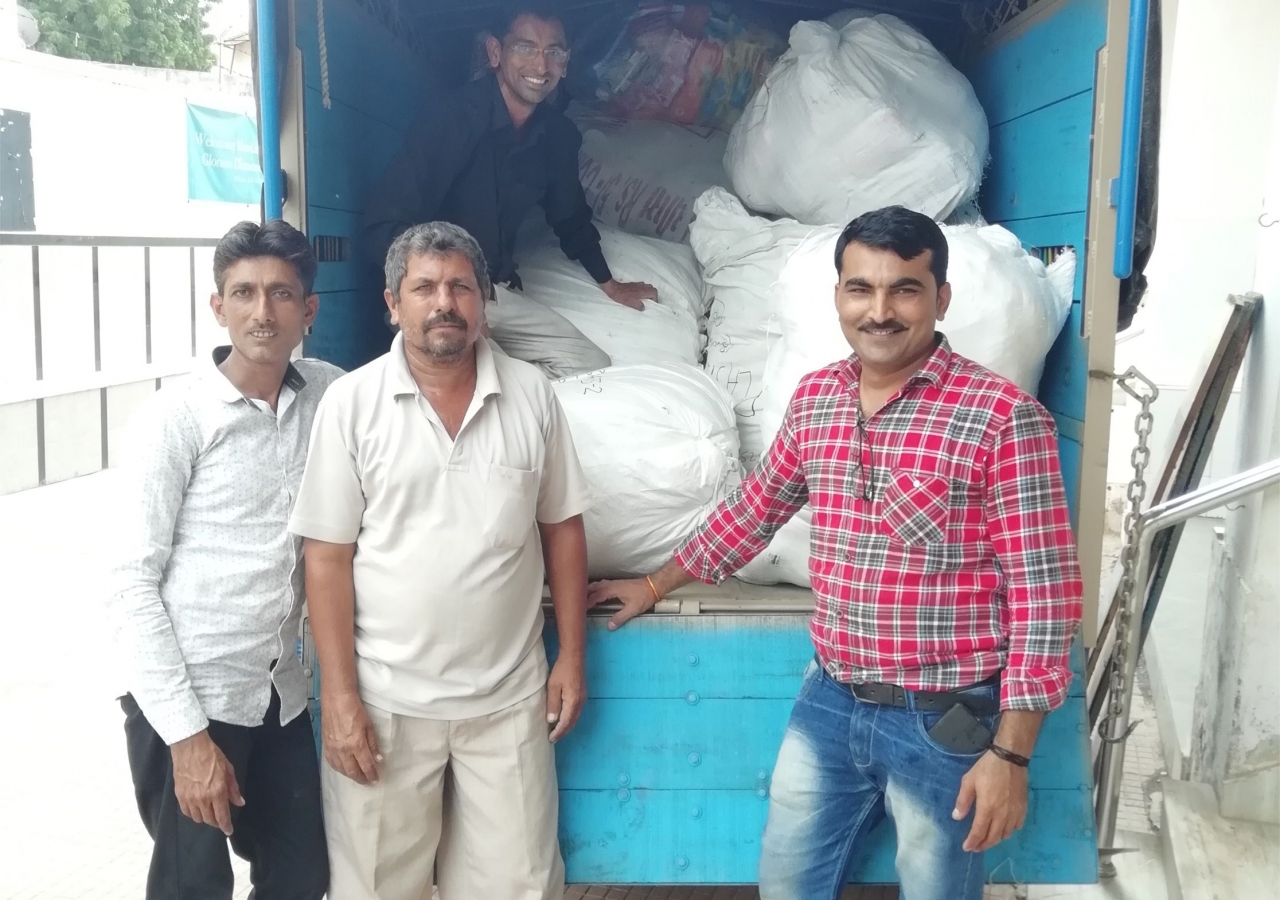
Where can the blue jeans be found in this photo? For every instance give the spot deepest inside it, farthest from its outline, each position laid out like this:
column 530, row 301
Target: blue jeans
column 844, row 764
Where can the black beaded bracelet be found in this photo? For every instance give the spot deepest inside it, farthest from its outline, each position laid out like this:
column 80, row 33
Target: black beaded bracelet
column 1009, row 756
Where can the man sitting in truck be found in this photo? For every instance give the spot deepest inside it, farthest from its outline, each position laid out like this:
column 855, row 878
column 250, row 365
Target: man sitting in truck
column 207, row 592
column 482, row 156
column 947, row 589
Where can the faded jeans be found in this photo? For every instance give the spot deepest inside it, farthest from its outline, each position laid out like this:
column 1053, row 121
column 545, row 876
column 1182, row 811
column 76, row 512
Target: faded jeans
column 844, row 764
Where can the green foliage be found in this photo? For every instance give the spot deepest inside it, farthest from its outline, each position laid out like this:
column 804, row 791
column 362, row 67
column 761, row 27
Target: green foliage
column 167, row 34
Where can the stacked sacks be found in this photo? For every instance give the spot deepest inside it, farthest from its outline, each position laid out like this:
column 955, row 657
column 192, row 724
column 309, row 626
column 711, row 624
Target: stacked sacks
column 643, row 176
column 669, row 331
column 1006, row 311
column 660, row 450
column 741, row 257
column 854, row 118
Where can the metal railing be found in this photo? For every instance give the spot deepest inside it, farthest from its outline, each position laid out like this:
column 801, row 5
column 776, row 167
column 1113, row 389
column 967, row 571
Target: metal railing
column 91, row 314
column 1150, row 523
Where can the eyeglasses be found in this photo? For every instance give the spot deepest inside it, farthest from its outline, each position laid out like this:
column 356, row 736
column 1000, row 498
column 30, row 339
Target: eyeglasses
column 555, row 55
column 866, row 461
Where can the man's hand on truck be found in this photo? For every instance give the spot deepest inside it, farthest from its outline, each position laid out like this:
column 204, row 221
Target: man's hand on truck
column 637, row 595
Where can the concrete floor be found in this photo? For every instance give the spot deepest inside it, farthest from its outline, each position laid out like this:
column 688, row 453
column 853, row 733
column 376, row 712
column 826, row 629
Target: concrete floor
column 1176, row 642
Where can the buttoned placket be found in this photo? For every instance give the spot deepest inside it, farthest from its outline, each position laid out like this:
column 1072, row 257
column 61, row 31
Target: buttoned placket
column 284, row 403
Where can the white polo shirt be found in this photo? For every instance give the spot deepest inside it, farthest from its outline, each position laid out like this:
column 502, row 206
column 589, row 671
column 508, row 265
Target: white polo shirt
column 448, row 563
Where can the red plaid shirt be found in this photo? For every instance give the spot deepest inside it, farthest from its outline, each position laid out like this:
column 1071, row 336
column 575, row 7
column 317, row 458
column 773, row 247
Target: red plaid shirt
column 941, row 549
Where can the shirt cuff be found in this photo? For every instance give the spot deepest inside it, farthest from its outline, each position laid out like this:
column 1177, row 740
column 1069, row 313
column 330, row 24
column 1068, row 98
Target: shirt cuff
column 174, row 720
column 694, row 559
column 593, row 261
column 1034, row 690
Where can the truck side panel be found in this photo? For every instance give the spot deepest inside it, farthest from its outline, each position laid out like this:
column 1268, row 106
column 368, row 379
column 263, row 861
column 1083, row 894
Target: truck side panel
column 375, row 87
column 1037, row 86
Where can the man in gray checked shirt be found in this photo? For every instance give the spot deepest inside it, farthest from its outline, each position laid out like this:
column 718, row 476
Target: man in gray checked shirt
column 207, row 592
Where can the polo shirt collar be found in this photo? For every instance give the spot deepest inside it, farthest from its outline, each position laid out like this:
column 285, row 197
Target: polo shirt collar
column 402, row 383
column 224, row 390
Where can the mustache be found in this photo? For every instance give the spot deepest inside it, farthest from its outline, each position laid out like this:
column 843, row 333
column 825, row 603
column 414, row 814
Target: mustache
column 892, row 324
column 445, row 318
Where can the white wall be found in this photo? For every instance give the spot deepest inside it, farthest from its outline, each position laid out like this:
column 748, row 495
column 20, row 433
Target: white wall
column 109, row 148
column 109, row 158
column 1221, row 67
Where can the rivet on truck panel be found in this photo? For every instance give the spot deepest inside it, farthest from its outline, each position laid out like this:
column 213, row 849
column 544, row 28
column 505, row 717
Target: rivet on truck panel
column 695, row 759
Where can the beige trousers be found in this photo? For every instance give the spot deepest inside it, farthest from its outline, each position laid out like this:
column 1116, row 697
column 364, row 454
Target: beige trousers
column 473, row 799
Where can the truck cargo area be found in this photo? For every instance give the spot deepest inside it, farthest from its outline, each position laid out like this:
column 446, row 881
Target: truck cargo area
column 666, row 779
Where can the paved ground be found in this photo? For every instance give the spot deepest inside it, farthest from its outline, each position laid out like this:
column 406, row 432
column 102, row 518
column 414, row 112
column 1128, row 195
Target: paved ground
column 69, row 829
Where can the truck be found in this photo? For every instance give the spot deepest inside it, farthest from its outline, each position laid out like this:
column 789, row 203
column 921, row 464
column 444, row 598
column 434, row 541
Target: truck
column 666, row 778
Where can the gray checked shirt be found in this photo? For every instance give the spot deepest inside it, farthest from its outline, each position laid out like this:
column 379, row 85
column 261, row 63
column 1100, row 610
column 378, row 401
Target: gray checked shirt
column 206, row 592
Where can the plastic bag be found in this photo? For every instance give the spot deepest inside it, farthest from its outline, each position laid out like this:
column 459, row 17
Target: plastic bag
column 643, row 177
column 660, row 450
column 741, row 256
column 855, row 119
column 689, row 63
column 666, row 331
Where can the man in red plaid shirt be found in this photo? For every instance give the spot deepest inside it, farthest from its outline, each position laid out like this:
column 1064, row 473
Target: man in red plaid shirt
column 945, row 575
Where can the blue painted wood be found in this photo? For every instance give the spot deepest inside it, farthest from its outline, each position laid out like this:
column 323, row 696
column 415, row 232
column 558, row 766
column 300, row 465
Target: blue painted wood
column 347, row 151
column 1052, row 59
column 631, row 836
column 1040, row 162
column 367, row 69
column 1066, row 370
column 337, row 276
column 348, row 332
column 704, row 745
column 703, row 654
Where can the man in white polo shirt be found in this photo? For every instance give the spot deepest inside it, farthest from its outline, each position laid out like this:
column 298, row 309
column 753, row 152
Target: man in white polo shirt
column 441, row 477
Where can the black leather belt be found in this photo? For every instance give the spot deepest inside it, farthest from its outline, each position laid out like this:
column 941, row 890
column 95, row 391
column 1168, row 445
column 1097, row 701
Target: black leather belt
column 928, row 701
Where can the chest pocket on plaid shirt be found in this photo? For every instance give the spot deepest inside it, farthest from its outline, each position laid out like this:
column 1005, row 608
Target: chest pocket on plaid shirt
column 916, row 507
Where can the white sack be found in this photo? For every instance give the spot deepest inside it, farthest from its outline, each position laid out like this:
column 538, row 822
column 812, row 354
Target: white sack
column 660, row 450
column 854, row 119
column 1006, row 311
column 643, row 176
column 741, row 256
column 666, row 331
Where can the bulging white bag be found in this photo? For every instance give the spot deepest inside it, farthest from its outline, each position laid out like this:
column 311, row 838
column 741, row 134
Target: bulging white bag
column 854, row 119
column 1006, row 311
column 643, row 176
column 660, row 449
column 666, row 331
column 741, row 256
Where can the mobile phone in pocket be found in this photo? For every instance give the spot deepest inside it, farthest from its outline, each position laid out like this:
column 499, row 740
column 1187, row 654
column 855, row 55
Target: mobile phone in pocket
column 960, row 731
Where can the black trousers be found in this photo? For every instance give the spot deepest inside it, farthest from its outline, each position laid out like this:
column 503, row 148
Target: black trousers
column 279, row 830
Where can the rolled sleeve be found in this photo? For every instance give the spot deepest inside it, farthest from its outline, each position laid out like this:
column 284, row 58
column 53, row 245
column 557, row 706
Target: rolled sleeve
column 1031, row 532
column 330, row 504
column 564, row 491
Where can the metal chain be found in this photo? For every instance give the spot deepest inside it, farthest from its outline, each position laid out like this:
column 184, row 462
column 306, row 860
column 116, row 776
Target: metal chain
column 1137, row 492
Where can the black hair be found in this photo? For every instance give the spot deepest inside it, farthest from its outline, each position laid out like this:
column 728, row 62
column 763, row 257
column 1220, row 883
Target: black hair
column 906, row 232
column 276, row 238
column 508, row 13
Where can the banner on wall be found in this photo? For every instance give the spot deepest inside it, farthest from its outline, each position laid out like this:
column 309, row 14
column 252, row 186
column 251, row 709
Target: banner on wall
column 222, row 156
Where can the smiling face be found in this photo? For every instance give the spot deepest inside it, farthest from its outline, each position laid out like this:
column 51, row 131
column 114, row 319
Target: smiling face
column 264, row 308
column 440, row 305
column 530, row 59
column 889, row 308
